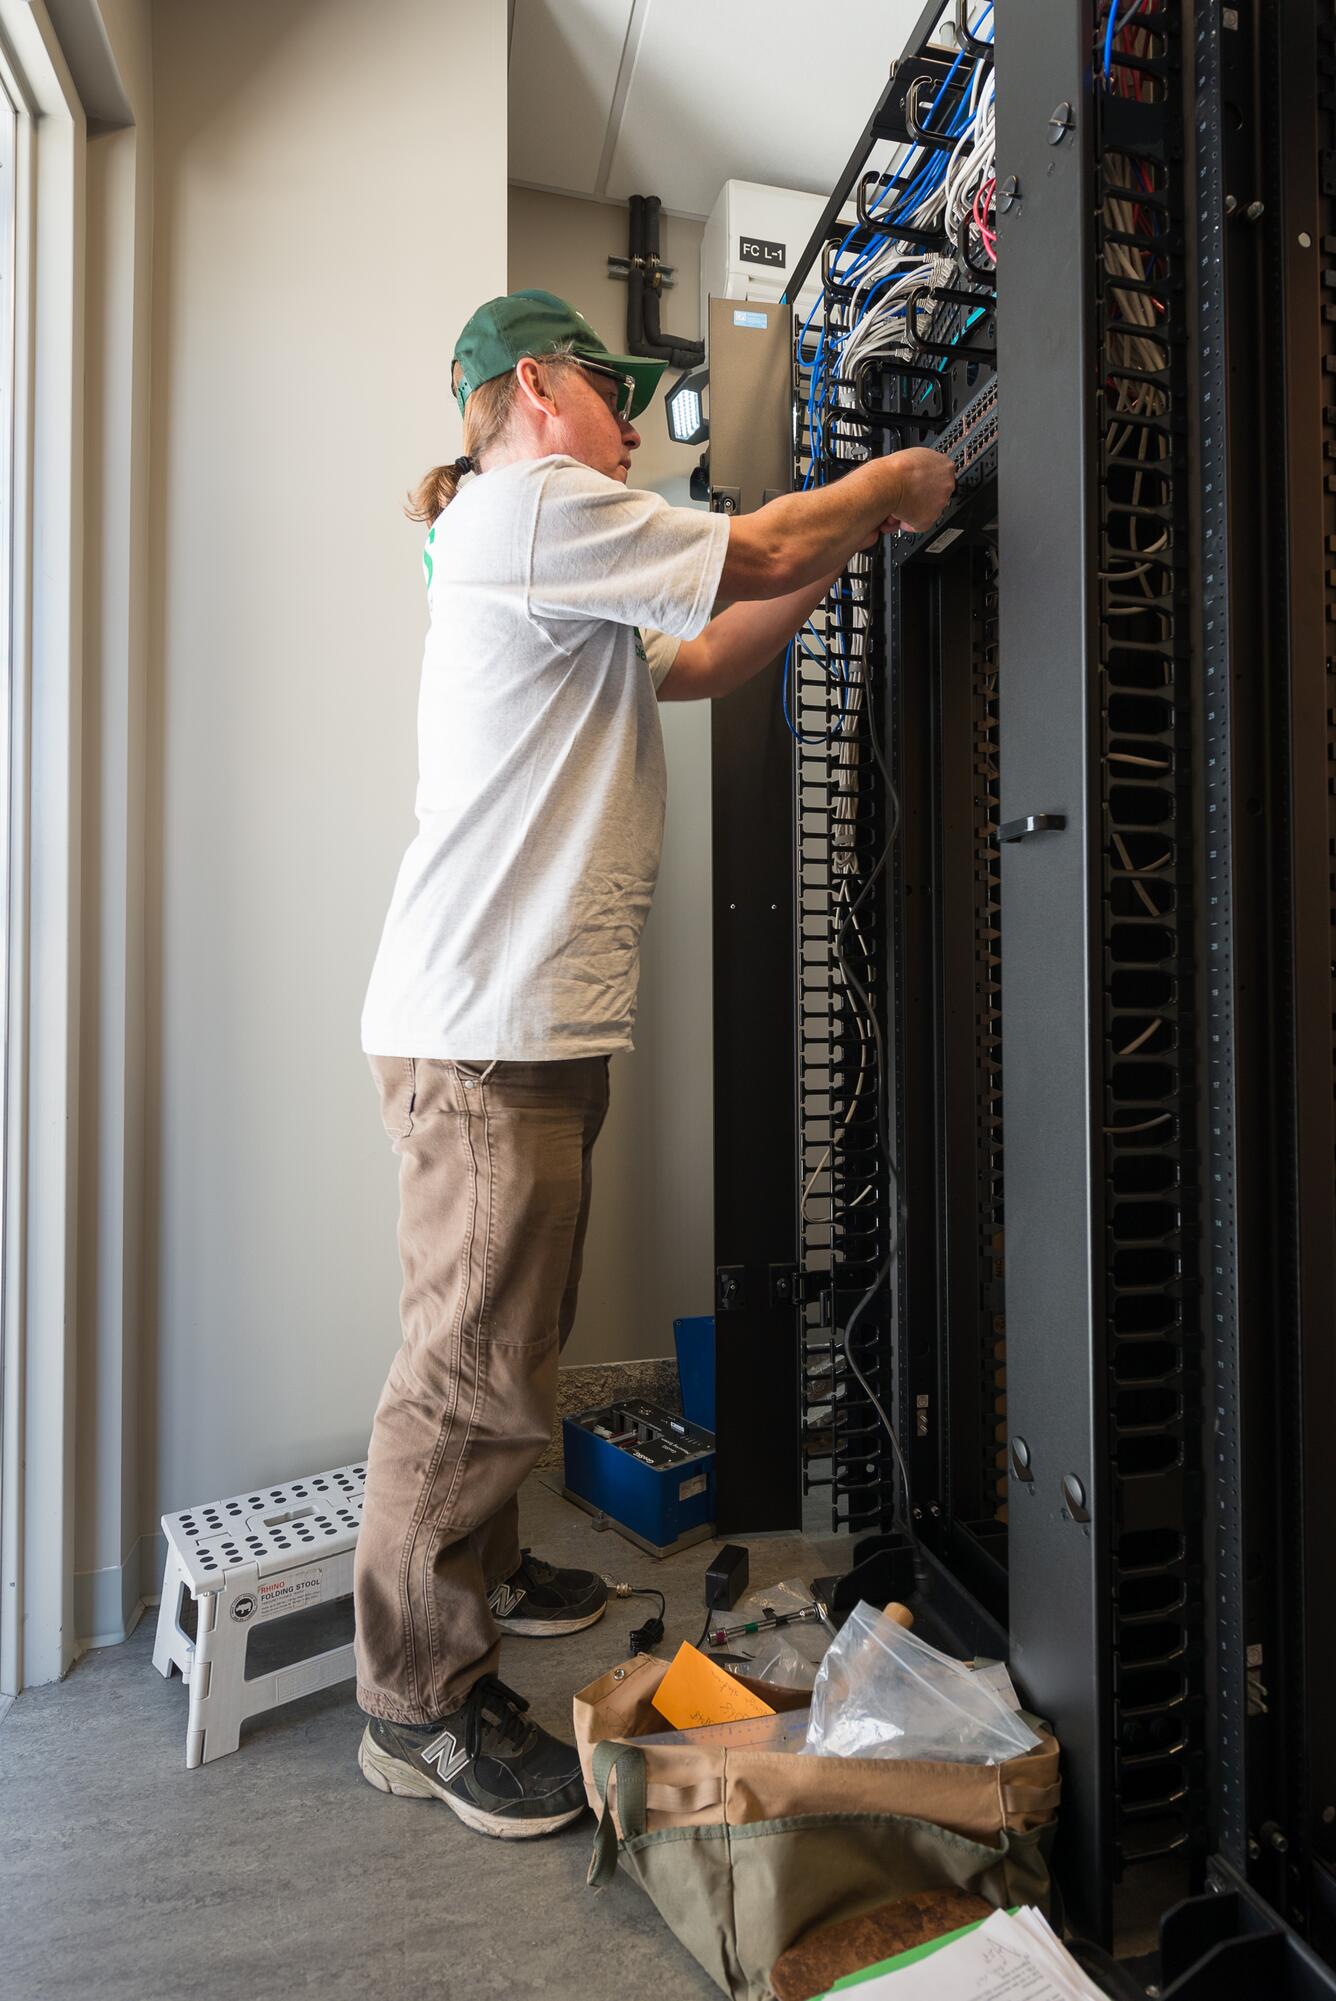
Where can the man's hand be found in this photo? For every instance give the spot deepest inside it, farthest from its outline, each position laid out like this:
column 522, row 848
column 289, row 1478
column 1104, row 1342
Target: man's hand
column 924, row 483
column 928, row 481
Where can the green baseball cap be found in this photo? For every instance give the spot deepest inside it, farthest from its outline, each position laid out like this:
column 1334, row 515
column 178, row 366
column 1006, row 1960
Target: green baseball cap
column 504, row 330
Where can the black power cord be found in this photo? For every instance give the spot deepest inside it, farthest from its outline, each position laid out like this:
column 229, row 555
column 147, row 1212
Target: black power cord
column 648, row 1635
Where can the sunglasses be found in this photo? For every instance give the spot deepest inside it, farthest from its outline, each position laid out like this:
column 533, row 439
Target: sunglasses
column 623, row 384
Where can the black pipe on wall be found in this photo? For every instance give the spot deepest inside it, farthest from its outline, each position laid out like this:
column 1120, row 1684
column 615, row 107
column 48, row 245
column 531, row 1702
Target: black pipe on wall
column 644, row 333
column 635, row 279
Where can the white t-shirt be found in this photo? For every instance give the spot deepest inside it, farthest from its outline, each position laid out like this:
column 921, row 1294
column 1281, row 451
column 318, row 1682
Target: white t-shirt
column 514, row 930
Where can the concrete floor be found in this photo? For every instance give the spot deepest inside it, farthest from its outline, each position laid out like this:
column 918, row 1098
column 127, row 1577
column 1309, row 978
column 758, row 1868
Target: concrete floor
column 280, row 1871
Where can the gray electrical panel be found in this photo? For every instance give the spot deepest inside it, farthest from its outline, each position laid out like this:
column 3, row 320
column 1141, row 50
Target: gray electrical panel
column 751, row 403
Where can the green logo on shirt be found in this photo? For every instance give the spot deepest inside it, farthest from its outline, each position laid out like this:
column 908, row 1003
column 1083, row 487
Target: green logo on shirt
column 640, row 646
column 426, row 559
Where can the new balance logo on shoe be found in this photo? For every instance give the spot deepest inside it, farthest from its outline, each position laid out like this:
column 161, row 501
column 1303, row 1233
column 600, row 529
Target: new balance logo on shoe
column 504, row 1599
column 447, row 1754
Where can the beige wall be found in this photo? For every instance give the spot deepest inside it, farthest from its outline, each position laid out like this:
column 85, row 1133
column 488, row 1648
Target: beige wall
column 317, row 247
column 650, row 1250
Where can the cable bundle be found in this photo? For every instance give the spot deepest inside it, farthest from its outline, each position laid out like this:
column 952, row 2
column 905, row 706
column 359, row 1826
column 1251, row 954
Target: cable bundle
column 848, row 811
column 845, row 844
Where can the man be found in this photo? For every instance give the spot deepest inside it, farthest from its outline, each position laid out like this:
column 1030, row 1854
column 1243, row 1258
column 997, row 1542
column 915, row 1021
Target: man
column 561, row 605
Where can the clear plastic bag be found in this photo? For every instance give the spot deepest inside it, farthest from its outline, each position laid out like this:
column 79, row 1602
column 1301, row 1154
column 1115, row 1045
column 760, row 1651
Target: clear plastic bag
column 883, row 1693
column 779, row 1661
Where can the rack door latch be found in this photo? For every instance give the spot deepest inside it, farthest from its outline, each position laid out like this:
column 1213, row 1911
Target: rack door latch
column 1034, row 823
column 730, row 1288
column 788, row 1285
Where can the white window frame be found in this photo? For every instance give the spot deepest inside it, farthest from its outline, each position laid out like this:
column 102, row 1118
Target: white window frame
column 39, row 1027
column 10, row 1436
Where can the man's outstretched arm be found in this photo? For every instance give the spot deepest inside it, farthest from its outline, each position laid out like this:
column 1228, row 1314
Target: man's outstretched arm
column 739, row 643
column 799, row 537
column 783, row 558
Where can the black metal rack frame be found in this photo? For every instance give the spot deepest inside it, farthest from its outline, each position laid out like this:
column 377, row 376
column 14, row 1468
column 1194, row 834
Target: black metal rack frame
column 1111, row 1124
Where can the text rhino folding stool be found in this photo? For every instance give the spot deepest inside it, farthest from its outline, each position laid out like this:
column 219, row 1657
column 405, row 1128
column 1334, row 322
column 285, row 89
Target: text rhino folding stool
column 243, row 1561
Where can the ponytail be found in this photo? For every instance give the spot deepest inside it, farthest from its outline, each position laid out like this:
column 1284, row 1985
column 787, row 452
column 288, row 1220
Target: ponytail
column 436, row 489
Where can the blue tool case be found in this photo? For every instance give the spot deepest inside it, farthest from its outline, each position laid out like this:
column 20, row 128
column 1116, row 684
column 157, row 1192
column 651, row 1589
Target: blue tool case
column 650, row 1472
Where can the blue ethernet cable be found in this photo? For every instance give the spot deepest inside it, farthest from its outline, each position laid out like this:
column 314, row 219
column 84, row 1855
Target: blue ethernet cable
column 814, row 737
column 1111, row 30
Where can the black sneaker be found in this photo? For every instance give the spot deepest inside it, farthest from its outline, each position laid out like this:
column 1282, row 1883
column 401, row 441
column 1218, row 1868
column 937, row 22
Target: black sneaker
column 540, row 1599
column 500, row 1774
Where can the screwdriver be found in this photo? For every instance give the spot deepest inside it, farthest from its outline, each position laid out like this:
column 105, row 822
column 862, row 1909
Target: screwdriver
column 766, row 1623
column 769, row 1621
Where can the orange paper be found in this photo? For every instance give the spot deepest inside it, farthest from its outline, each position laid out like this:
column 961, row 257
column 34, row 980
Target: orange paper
column 694, row 1691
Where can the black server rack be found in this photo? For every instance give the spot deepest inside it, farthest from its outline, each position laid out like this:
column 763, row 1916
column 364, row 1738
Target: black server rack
column 1061, row 1005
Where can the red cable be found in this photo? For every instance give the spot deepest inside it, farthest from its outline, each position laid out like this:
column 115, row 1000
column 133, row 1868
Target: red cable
column 988, row 237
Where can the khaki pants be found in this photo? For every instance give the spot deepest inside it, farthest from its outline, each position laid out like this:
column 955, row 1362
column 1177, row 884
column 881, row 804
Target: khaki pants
column 493, row 1201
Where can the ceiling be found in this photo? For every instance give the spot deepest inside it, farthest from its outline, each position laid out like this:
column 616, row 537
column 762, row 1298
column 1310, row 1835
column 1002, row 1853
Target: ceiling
column 610, row 98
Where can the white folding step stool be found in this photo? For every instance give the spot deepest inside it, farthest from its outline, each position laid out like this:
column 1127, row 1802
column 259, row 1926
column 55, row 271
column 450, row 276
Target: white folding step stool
column 254, row 1557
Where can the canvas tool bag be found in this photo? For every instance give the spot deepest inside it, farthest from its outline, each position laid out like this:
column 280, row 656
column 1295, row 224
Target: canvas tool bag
column 742, row 1851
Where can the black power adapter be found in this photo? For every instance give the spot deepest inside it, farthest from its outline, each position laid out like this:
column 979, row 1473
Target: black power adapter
column 726, row 1578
